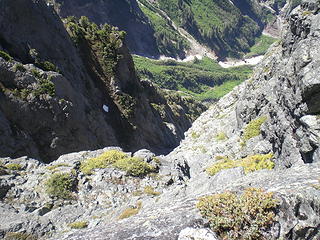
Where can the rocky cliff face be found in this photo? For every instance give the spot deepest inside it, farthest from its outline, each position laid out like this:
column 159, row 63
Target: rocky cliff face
column 263, row 135
column 54, row 85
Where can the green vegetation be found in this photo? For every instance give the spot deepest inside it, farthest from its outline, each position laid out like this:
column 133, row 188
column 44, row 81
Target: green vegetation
column 19, row 67
column 239, row 217
column 14, row 166
column 60, row 185
column 202, row 79
column 54, row 167
column 195, row 135
column 47, row 66
column 5, row 56
column 131, row 211
column 78, row 225
column 250, row 163
column 43, row 86
column 19, row 236
column 104, row 160
column 131, row 165
column 218, row 24
column 169, row 41
column 134, row 166
column 150, row 191
column 221, row 136
column 253, row 128
column 261, row 46
column 104, row 41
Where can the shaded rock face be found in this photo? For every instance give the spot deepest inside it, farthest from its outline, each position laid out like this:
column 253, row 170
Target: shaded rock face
column 124, row 14
column 42, row 122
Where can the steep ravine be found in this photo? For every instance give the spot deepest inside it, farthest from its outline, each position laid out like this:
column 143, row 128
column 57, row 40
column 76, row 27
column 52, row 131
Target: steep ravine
column 55, row 83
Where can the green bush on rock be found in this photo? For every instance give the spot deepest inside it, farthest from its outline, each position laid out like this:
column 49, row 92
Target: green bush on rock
column 113, row 158
column 134, row 166
column 5, row 56
column 250, row 163
column 239, row 217
column 78, row 225
column 60, row 185
column 102, row 161
column 253, row 128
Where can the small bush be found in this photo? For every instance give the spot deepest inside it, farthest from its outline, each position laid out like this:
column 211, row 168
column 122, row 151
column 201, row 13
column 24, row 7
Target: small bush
column 102, row 161
column 54, row 167
column 14, row 166
column 250, row 163
column 19, row 67
column 195, row 135
column 78, row 225
column 19, row 236
column 47, row 66
column 134, row 166
column 35, row 73
column 239, row 217
column 5, row 56
column 45, row 86
column 221, row 136
column 253, row 128
column 150, row 191
column 60, row 185
column 131, row 211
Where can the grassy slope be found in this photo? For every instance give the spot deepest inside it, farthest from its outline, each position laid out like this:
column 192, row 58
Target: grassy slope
column 170, row 42
column 261, row 45
column 202, row 79
column 216, row 23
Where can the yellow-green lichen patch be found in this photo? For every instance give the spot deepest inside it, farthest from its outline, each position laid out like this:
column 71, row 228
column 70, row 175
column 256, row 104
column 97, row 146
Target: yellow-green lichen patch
column 239, row 217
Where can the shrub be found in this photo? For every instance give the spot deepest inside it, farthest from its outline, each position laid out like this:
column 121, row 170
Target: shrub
column 78, row 225
column 239, row 217
column 250, row 163
column 102, row 161
column 54, row 167
column 35, row 73
column 19, row 236
column 221, row 136
column 47, row 66
column 45, row 86
column 134, row 166
column 60, row 185
column 131, row 211
column 150, row 191
column 5, row 56
column 195, row 135
column 253, row 128
column 19, row 67
column 14, row 166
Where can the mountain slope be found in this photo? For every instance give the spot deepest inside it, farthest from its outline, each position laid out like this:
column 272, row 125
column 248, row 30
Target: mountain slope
column 56, row 83
column 249, row 166
column 176, row 28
